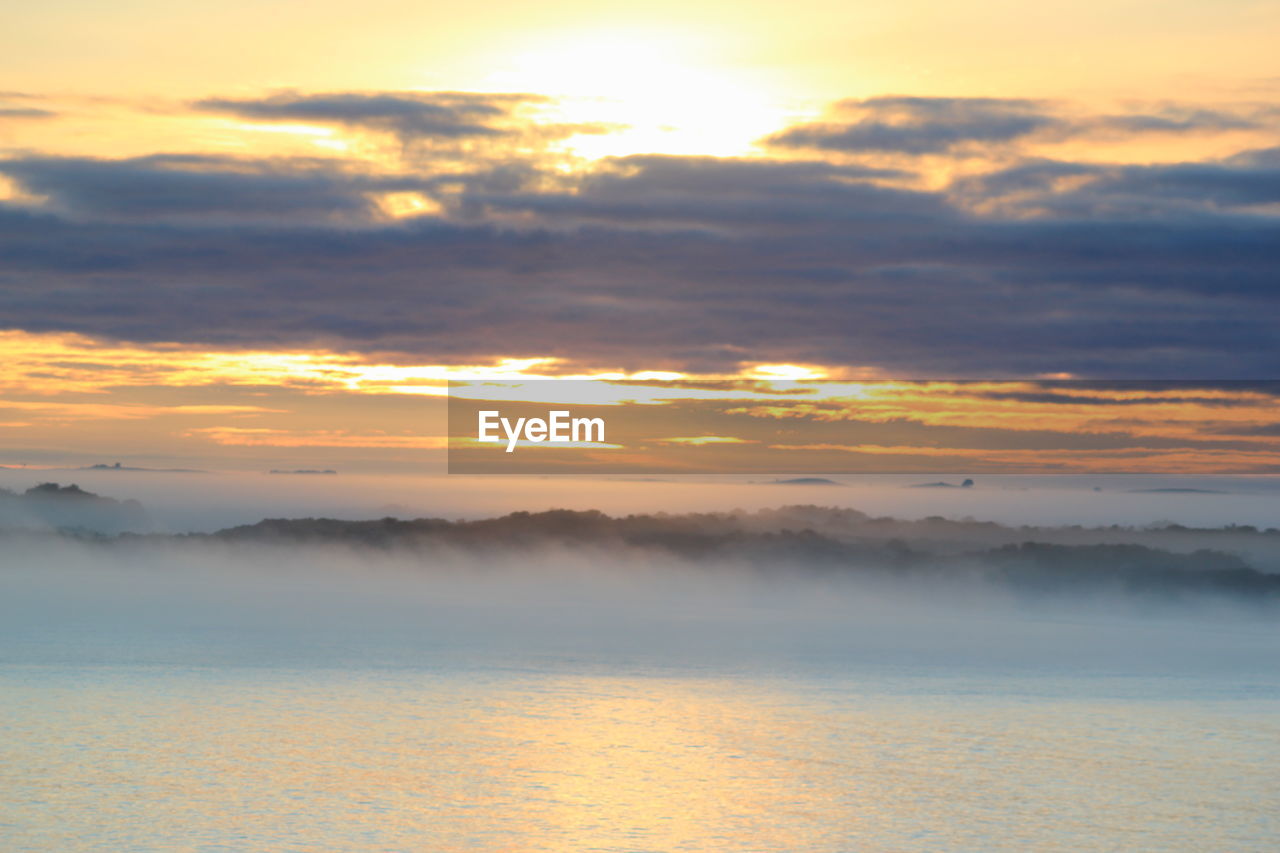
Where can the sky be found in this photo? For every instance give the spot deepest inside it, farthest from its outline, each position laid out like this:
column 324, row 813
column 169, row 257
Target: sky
column 259, row 235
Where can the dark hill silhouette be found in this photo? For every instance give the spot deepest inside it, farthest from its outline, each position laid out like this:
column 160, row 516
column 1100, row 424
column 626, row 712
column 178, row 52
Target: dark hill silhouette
column 774, row 541
column 54, row 505
column 933, row 551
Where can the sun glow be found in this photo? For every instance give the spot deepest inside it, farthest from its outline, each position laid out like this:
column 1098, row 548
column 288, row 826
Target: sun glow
column 313, row 134
column 638, row 92
column 787, row 371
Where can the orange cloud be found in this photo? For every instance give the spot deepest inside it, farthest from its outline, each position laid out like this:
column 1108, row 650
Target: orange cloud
column 1145, row 460
column 267, row 437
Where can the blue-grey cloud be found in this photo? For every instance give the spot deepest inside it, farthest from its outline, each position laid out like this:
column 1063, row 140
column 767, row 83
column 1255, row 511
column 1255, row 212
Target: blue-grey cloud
column 692, row 262
column 168, row 186
column 919, row 125
column 24, row 112
column 1176, row 119
column 1246, row 182
column 410, row 116
column 710, row 192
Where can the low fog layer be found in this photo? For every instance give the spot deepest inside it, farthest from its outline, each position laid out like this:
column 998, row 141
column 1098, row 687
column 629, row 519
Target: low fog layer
column 790, row 584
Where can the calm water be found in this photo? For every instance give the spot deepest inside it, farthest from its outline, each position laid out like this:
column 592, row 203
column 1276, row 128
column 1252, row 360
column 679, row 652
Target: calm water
column 572, row 753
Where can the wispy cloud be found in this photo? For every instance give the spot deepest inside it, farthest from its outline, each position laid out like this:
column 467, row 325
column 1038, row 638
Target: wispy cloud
column 408, row 115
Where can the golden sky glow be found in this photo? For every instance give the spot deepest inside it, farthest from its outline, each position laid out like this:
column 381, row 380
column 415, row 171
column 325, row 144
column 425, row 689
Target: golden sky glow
column 687, row 78
column 70, row 390
column 720, row 149
column 823, row 49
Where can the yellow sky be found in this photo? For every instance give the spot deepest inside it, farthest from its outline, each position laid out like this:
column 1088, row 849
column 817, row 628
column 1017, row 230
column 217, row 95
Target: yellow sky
column 817, row 50
column 688, row 77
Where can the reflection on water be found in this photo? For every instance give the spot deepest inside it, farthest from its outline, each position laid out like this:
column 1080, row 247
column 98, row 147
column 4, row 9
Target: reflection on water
column 563, row 756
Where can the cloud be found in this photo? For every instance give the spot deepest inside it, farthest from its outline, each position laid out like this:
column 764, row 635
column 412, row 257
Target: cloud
column 268, row 437
column 1262, row 158
column 9, row 110
column 654, row 190
column 931, row 126
column 410, row 116
column 24, row 112
column 169, row 185
column 1239, row 184
column 919, row 125
column 1178, row 119
column 646, row 262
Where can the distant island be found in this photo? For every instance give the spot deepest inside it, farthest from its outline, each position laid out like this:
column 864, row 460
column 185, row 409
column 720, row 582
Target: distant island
column 967, row 484
column 808, row 539
column 1173, row 491
column 806, row 481
column 102, row 466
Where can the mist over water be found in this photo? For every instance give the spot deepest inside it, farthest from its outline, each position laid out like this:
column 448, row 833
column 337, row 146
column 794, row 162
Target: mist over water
column 564, row 694
column 241, row 603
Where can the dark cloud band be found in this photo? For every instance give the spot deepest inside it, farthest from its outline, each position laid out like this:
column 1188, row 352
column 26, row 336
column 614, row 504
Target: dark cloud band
column 686, row 262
